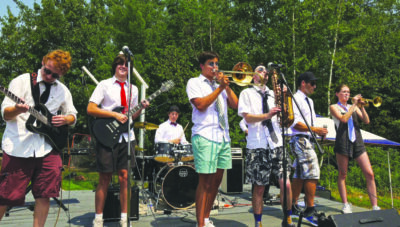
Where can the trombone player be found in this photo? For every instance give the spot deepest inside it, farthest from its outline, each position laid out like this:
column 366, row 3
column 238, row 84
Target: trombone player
column 264, row 143
column 210, row 131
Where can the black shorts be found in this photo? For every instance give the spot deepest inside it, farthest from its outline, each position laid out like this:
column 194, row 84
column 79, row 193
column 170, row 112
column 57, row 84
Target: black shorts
column 110, row 160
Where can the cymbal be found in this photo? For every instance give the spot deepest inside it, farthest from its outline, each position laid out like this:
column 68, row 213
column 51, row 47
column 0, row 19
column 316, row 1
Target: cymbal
column 145, row 125
column 137, row 148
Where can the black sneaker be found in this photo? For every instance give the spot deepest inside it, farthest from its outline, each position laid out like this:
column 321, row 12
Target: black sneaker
column 311, row 217
column 295, row 211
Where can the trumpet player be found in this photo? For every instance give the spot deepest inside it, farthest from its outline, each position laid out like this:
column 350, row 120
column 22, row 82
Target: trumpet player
column 264, row 143
column 349, row 143
column 210, row 132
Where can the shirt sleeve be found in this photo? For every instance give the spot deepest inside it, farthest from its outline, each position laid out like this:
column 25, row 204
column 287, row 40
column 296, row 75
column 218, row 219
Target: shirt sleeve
column 243, row 125
column 98, row 94
column 243, row 105
column 68, row 106
column 193, row 89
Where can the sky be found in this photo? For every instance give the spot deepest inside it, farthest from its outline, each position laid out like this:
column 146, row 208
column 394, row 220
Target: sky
column 13, row 6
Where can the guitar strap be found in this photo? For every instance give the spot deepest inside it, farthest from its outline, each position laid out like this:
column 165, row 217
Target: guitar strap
column 35, row 88
column 35, row 94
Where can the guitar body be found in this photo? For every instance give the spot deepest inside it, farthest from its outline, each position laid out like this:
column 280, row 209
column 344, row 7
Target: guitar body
column 108, row 130
column 57, row 137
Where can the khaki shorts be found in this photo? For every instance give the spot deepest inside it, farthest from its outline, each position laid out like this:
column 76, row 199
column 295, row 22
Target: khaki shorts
column 306, row 163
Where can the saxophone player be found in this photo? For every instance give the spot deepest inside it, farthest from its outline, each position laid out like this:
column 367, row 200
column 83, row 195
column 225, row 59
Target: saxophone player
column 264, row 143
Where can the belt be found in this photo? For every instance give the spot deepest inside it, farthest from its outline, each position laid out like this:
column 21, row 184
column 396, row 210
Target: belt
column 306, row 136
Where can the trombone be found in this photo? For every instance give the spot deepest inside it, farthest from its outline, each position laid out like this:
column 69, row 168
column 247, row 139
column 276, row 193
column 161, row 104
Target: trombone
column 376, row 102
column 242, row 74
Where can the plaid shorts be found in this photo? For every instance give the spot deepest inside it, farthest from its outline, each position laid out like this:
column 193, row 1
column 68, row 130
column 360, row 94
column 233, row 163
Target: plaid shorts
column 261, row 163
column 306, row 163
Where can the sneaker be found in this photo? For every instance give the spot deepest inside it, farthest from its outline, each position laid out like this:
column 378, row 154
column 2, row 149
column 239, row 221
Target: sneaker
column 347, row 208
column 295, row 211
column 376, row 208
column 210, row 224
column 289, row 223
column 258, row 224
column 98, row 222
column 311, row 217
column 123, row 223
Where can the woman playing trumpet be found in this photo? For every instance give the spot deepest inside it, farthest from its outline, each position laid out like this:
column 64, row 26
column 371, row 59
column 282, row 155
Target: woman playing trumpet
column 349, row 143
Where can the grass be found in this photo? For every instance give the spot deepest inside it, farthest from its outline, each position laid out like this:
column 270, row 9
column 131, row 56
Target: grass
column 360, row 198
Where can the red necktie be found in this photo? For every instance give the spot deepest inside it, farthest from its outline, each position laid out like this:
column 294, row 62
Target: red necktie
column 123, row 96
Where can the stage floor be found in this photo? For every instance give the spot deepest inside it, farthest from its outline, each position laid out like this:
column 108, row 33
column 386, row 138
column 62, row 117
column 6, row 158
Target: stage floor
column 80, row 212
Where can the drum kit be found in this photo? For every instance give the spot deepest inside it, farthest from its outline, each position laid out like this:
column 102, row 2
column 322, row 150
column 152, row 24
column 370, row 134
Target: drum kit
column 169, row 174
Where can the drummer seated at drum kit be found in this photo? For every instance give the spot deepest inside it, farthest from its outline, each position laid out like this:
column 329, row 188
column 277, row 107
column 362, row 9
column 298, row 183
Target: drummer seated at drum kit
column 170, row 141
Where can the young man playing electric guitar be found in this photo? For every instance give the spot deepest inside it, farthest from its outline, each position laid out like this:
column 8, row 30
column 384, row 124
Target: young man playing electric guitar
column 110, row 94
column 29, row 155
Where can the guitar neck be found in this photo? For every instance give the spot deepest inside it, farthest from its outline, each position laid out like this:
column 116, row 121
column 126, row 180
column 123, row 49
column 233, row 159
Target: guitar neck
column 31, row 110
column 149, row 99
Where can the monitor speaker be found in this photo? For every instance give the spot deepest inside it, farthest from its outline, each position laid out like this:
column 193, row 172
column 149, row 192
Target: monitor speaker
column 232, row 181
column 112, row 206
column 374, row 218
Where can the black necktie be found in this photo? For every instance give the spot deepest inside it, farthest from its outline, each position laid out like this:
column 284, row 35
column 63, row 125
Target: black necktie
column 174, row 123
column 268, row 122
column 308, row 102
column 45, row 94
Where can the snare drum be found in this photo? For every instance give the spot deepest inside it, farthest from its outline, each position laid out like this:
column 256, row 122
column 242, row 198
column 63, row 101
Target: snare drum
column 186, row 152
column 177, row 185
column 164, row 152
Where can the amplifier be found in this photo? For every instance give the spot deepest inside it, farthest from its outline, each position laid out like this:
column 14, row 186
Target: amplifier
column 112, row 206
column 372, row 218
column 236, row 152
column 232, row 180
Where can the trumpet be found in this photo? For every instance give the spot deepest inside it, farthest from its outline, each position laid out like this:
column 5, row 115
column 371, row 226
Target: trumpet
column 377, row 101
column 242, row 74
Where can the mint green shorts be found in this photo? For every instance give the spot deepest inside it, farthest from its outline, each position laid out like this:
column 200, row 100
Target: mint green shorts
column 210, row 156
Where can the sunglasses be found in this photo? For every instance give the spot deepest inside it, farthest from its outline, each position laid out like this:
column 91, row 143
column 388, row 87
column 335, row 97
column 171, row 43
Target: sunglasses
column 312, row 83
column 213, row 64
column 49, row 72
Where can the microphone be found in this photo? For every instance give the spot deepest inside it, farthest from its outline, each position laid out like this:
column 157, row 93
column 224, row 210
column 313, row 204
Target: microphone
column 323, row 137
column 273, row 65
column 126, row 50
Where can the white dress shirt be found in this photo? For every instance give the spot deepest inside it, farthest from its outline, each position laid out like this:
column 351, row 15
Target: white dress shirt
column 166, row 132
column 250, row 102
column 305, row 109
column 206, row 122
column 108, row 94
column 17, row 140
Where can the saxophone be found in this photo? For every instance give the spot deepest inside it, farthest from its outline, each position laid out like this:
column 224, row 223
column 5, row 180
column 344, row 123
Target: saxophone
column 287, row 107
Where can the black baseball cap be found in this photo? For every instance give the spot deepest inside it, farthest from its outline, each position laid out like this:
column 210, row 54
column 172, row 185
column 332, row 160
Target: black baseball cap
column 173, row 109
column 307, row 77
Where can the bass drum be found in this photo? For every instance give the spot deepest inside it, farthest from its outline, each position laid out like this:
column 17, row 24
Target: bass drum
column 177, row 185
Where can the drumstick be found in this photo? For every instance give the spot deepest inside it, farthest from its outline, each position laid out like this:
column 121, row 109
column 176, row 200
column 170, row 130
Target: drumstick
column 184, row 130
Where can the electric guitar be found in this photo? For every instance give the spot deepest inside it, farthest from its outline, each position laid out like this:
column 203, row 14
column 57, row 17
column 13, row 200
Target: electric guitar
column 57, row 137
column 108, row 130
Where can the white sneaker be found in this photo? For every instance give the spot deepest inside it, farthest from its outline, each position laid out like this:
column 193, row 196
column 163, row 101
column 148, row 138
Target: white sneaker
column 376, row 208
column 347, row 208
column 98, row 222
column 210, row 224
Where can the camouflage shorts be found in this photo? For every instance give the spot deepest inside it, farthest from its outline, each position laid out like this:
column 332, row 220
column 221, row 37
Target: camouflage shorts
column 261, row 163
column 306, row 163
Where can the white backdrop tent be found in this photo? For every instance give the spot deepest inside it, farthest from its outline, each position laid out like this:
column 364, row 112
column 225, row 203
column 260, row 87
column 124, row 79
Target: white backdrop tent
column 369, row 138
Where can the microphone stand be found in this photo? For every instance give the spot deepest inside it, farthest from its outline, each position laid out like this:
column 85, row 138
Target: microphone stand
column 282, row 113
column 282, row 82
column 129, row 142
